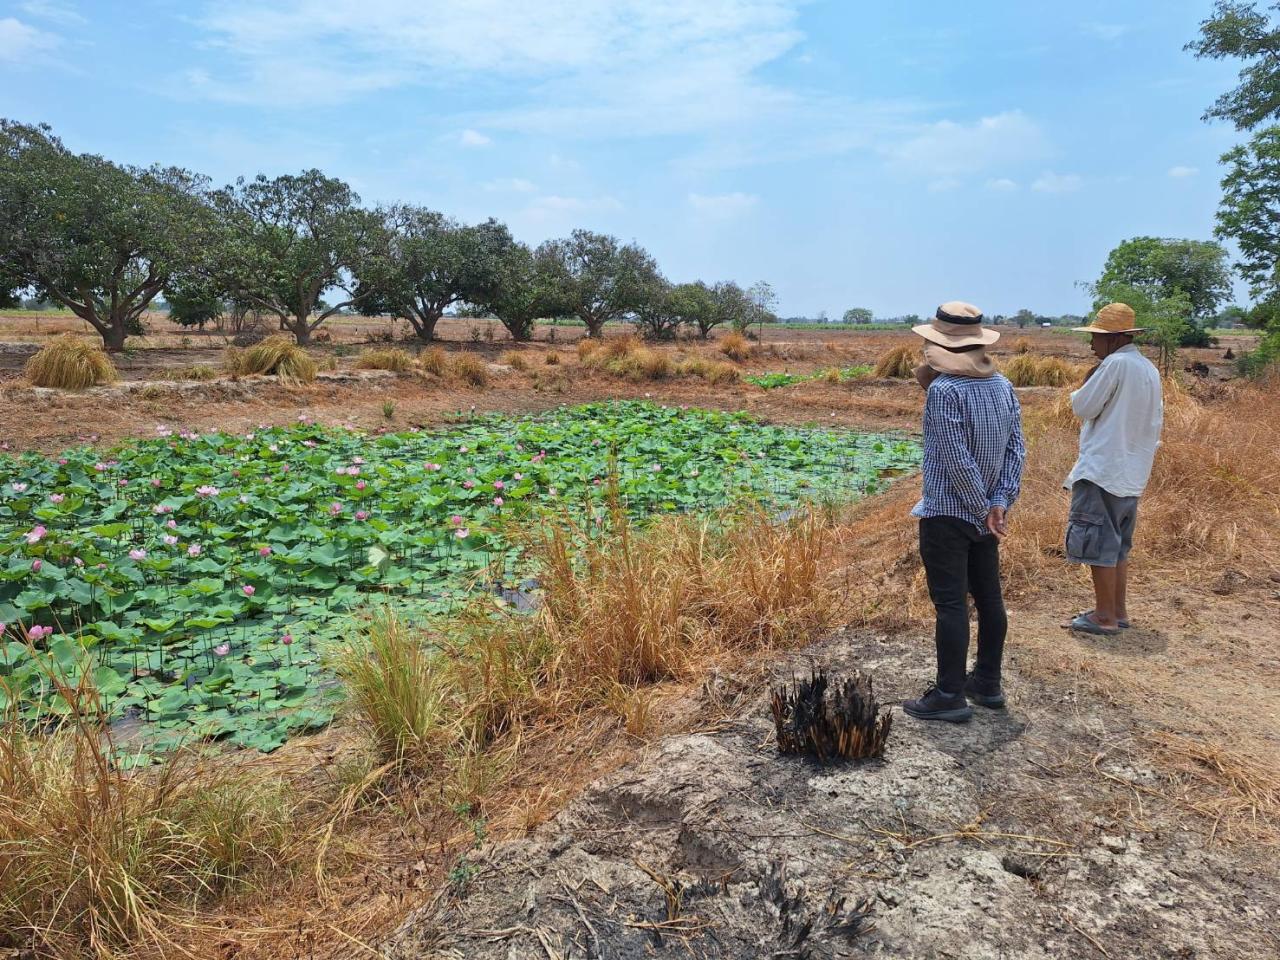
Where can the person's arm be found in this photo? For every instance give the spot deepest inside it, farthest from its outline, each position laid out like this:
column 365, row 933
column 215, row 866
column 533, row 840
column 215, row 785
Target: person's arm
column 1092, row 398
column 942, row 411
column 1015, row 455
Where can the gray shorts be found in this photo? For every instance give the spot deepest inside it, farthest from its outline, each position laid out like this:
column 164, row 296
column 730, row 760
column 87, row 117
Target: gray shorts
column 1100, row 528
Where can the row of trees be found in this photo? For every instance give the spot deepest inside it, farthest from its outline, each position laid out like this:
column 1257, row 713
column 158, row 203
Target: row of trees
column 106, row 240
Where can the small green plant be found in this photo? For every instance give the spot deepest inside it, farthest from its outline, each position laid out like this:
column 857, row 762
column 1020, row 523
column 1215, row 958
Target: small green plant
column 388, row 409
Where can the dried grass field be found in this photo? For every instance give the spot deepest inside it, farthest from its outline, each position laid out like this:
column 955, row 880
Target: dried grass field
column 399, row 816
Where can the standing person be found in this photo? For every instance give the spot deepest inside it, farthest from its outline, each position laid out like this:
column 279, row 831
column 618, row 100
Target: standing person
column 973, row 456
column 1122, row 407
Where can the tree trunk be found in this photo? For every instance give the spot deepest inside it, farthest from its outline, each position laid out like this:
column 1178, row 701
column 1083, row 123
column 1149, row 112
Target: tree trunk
column 114, row 336
column 595, row 328
column 301, row 330
column 424, row 324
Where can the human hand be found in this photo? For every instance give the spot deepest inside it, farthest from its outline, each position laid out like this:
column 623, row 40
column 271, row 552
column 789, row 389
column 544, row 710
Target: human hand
column 996, row 523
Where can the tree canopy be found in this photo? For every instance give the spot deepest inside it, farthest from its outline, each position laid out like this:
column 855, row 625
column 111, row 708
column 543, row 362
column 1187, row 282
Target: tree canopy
column 286, row 240
column 1239, row 31
column 433, row 263
column 1164, row 267
column 101, row 239
column 858, row 315
column 1249, row 212
column 524, row 290
column 600, row 278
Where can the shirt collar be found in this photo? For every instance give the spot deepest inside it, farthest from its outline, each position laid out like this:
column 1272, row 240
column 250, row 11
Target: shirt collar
column 1127, row 348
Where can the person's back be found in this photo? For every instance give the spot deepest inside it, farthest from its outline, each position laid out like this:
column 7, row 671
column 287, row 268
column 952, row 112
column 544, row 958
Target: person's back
column 1122, row 410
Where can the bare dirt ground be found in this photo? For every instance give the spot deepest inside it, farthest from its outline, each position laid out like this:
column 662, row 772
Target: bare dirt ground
column 1126, row 805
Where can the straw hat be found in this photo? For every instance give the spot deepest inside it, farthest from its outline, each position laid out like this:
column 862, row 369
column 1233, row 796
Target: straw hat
column 1113, row 318
column 957, row 324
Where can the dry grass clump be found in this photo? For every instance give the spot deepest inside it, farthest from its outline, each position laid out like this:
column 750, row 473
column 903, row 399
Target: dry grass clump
column 1026, row 370
column 390, row 358
column 469, row 368
column 1020, row 345
column 434, row 361
column 551, row 358
column 515, row 360
column 736, row 347
column 627, row 357
column 898, row 363
column 712, row 371
column 199, row 372
column 69, row 363
column 275, row 355
column 96, row 861
column 588, row 346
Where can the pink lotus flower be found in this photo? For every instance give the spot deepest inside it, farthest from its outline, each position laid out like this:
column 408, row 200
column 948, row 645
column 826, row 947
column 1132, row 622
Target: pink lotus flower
column 471, row 471
column 193, row 550
column 553, row 491
column 497, row 501
column 264, row 551
column 56, row 498
column 155, row 481
column 462, row 533
column 169, row 540
column 308, row 443
column 335, row 508
column 462, row 449
column 77, row 561
column 468, row 484
column 433, row 466
column 123, row 482
column 37, row 632
column 207, row 491
column 353, row 471
column 171, row 524
column 19, row 487
column 362, row 515
column 284, row 468
column 360, row 484
column 519, row 476
column 99, row 467
column 273, row 447
column 248, row 589
column 161, row 508
column 596, row 482
column 456, row 520
column 137, row 554
column 62, row 461
column 3, row 628
column 499, row 485
column 656, row 468
column 222, row 649
column 287, row 639
column 37, row 534
column 357, row 459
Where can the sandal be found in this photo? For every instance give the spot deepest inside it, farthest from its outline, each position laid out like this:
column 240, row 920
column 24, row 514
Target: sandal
column 1086, row 624
column 1122, row 624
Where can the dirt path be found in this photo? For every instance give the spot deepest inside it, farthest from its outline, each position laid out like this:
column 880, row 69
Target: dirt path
column 1017, row 835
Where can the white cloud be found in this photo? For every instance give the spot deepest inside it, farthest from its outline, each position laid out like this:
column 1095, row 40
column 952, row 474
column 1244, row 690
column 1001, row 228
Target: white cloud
column 473, row 138
column 1050, row 182
column 1108, row 32
column 723, row 205
column 948, row 148
column 1181, row 171
column 53, row 12
column 20, row 43
column 1002, row 185
column 511, row 185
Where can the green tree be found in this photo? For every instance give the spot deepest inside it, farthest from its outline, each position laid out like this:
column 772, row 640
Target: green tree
column 600, row 278
column 1249, row 212
column 1024, row 317
column 1239, row 31
column 433, row 263
column 730, row 305
column 658, row 312
column 287, row 240
column 1162, row 267
column 762, row 300
column 859, row 315
column 100, row 239
column 193, row 303
column 1232, row 315
column 694, row 304
column 524, row 290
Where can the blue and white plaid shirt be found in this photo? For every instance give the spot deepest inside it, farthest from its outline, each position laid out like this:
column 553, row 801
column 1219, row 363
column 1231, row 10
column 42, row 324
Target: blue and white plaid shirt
column 973, row 448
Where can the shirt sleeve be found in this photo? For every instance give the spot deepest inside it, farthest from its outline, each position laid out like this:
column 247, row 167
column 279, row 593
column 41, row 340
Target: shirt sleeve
column 943, row 413
column 1015, row 455
column 1092, row 398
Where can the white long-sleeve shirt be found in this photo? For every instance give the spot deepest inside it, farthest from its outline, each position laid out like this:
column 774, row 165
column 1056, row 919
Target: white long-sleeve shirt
column 1122, row 407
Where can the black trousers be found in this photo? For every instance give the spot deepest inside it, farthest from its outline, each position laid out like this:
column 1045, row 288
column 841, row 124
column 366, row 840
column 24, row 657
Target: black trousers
column 959, row 561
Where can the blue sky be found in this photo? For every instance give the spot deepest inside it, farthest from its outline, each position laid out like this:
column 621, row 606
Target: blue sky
column 851, row 153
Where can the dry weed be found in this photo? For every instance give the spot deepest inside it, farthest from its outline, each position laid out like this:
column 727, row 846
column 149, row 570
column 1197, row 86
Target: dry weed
column 898, row 363
column 391, row 358
column 434, row 361
column 470, row 369
column 70, row 363
column 736, row 347
column 515, row 360
column 275, row 355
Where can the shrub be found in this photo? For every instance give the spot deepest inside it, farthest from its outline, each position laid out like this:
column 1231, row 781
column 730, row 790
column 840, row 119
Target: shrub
column 588, row 347
column 1262, row 359
column 469, row 368
column 434, row 361
column 275, row 355
column 899, row 363
column 515, row 360
column 393, row 358
column 735, row 346
column 69, row 363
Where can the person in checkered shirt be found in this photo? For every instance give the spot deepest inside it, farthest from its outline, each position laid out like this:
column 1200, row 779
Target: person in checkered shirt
column 973, row 459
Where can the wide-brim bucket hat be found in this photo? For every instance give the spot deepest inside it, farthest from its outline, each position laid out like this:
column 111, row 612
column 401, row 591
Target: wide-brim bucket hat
column 957, row 324
column 1113, row 318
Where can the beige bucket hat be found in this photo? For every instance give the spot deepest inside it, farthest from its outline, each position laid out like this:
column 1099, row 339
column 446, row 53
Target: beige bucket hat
column 1113, row 318
column 957, row 324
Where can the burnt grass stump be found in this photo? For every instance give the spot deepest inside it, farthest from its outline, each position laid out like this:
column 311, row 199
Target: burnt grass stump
column 847, row 725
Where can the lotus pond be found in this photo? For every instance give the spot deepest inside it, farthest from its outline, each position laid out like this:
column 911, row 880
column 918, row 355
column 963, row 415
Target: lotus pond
column 199, row 577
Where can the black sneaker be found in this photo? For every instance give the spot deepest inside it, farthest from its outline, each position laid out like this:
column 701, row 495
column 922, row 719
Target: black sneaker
column 933, row 704
column 984, row 693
